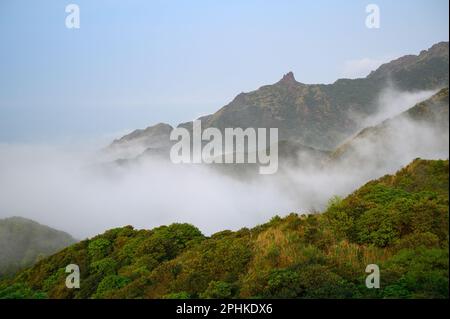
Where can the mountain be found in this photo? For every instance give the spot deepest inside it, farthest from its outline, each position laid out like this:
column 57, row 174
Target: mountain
column 428, row 70
column 425, row 125
column 138, row 141
column 432, row 111
column 23, row 242
column 398, row 222
column 317, row 115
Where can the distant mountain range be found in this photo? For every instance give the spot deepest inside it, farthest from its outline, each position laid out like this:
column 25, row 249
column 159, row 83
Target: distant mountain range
column 319, row 116
column 23, row 242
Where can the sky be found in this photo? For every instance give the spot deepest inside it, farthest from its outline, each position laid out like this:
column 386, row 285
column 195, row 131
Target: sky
column 132, row 64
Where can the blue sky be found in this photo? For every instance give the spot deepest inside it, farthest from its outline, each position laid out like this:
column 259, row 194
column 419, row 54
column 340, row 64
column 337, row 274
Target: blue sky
column 136, row 63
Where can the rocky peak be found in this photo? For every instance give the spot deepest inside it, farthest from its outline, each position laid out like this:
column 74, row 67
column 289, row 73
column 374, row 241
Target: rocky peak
column 288, row 79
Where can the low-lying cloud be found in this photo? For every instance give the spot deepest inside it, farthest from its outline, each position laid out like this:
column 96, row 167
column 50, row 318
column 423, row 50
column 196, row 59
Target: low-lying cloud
column 73, row 191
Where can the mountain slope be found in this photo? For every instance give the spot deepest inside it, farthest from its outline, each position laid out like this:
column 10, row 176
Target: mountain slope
column 427, row 70
column 138, row 141
column 319, row 115
column 23, row 242
column 399, row 222
column 424, row 125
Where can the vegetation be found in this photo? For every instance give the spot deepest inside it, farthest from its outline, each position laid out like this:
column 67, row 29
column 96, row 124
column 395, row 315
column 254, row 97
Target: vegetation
column 398, row 222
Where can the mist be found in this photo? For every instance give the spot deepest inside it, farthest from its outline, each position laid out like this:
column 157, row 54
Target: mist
column 72, row 189
column 392, row 102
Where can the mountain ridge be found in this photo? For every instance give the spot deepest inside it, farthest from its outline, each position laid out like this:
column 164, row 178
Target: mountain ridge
column 318, row 115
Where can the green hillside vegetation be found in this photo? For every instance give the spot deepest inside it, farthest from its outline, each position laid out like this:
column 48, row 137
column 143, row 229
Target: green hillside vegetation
column 399, row 222
column 23, row 242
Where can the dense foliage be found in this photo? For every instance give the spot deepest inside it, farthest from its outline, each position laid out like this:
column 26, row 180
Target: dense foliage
column 398, row 222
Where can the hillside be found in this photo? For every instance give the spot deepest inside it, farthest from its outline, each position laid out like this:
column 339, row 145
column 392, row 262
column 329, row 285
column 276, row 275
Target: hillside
column 434, row 110
column 315, row 115
column 23, row 242
column 399, row 222
column 139, row 141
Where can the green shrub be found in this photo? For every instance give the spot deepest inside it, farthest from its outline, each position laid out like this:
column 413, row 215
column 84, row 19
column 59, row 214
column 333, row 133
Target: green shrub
column 218, row 290
column 110, row 284
column 98, row 248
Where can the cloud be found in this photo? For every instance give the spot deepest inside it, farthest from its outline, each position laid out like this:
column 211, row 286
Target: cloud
column 72, row 193
column 71, row 190
column 360, row 68
column 392, row 102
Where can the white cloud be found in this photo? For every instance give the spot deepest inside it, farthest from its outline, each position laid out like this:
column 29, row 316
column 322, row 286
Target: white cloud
column 361, row 67
column 66, row 188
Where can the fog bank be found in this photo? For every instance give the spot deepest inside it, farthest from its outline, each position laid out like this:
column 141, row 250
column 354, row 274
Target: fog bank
column 71, row 190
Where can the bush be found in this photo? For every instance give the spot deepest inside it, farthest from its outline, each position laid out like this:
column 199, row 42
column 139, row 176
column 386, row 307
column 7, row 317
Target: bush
column 218, row 290
column 21, row 291
column 110, row 284
column 422, row 272
column 377, row 226
column 177, row 295
column 416, row 240
column 283, row 284
column 105, row 266
column 98, row 248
